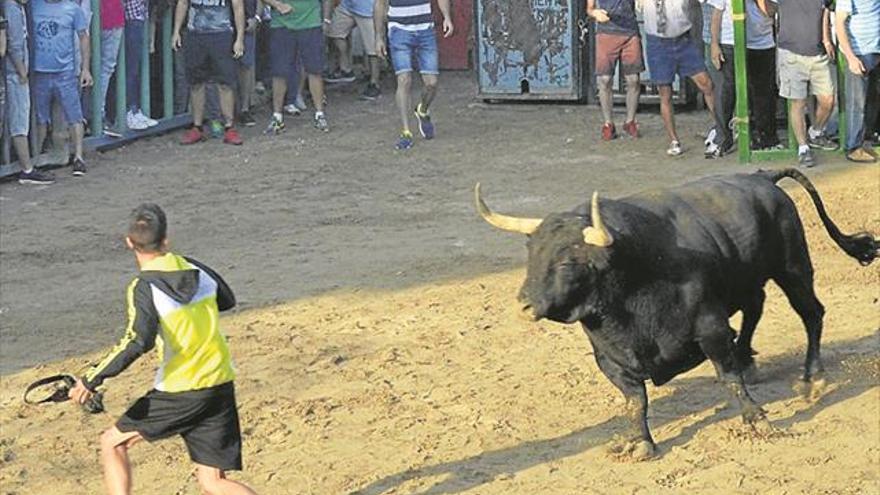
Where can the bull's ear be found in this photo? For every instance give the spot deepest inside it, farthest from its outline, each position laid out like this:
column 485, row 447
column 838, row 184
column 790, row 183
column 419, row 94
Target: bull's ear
column 597, row 234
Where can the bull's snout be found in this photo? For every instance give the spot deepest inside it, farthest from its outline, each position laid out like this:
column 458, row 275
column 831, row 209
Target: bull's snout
column 528, row 313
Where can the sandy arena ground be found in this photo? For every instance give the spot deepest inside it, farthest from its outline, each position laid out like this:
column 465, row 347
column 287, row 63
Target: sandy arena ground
column 377, row 344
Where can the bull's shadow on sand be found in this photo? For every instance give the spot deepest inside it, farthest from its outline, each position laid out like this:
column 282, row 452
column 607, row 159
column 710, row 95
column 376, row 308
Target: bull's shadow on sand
column 777, row 376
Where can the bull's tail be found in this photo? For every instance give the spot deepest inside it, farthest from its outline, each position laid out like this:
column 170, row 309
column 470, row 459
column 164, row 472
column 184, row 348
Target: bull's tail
column 862, row 245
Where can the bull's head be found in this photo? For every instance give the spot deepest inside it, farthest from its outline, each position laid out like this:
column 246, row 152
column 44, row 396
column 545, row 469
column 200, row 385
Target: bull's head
column 568, row 254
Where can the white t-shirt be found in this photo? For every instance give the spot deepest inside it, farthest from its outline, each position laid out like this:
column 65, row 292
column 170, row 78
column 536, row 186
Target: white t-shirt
column 759, row 28
column 677, row 21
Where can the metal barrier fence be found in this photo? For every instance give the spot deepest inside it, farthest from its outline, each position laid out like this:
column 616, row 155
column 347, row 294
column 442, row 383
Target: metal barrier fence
column 168, row 119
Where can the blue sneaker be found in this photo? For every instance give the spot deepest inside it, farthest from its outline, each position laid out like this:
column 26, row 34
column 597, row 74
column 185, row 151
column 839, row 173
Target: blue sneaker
column 405, row 141
column 426, row 127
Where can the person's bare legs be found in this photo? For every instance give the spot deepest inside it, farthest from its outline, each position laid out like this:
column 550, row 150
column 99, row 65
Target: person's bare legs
column 78, row 133
column 114, row 458
column 246, row 83
column 824, row 106
column 704, row 84
column 404, row 82
column 373, row 62
column 42, row 132
column 197, row 96
column 633, row 90
column 279, row 90
column 606, row 98
column 227, row 104
column 213, row 481
column 666, row 111
column 23, row 152
column 316, row 87
column 796, row 117
column 429, row 91
column 344, row 54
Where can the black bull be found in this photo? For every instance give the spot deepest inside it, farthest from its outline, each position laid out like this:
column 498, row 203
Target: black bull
column 654, row 277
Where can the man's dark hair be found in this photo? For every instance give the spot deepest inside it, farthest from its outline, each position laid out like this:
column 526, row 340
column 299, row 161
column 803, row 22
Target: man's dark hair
column 148, row 228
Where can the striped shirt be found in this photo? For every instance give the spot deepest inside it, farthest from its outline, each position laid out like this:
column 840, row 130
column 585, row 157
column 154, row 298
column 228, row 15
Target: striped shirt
column 863, row 25
column 410, row 15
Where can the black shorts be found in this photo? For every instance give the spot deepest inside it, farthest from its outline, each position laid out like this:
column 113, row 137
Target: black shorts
column 208, row 58
column 207, row 420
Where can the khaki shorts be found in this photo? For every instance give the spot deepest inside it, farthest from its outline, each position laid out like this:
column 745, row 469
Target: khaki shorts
column 797, row 73
column 344, row 22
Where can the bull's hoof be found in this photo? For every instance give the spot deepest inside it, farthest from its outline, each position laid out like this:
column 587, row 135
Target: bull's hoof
column 812, row 390
column 634, row 450
column 750, row 375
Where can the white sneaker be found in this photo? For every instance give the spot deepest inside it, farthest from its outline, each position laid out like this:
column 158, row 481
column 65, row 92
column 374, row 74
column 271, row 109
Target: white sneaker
column 134, row 122
column 291, row 109
column 150, row 122
column 674, row 149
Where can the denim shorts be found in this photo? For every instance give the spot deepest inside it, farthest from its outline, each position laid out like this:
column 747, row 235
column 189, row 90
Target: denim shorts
column 61, row 85
column 18, row 106
column 249, row 59
column 668, row 56
column 286, row 46
column 405, row 45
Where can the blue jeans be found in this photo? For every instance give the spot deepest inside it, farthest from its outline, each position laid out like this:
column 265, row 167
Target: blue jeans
column 403, row 45
column 856, row 99
column 134, row 44
column 110, row 41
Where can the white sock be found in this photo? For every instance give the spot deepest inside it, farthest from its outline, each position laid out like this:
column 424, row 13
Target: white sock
column 803, row 149
column 277, row 116
column 814, row 133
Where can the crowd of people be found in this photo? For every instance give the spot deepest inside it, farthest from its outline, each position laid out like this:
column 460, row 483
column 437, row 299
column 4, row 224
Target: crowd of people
column 225, row 50
column 790, row 52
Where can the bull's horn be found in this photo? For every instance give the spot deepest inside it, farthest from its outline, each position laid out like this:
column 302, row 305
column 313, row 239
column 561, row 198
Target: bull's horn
column 597, row 234
column 511, row 224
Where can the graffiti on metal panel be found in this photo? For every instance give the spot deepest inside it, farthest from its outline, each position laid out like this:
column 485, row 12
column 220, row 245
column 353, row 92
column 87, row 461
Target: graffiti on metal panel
column 528, row 38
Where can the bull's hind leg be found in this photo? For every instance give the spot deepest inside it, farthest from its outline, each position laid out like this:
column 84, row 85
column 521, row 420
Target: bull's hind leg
column 798, row 287
column 752, row 312
column 715, row 339
column 635, row 443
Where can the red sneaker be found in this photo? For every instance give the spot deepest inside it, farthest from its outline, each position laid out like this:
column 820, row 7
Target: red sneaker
column 608, row 131
column 231, row 136
column 192, row 136
column 631, row 128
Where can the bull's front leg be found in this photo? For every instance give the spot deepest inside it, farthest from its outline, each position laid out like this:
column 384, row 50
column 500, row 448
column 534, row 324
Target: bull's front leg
column 635, row 442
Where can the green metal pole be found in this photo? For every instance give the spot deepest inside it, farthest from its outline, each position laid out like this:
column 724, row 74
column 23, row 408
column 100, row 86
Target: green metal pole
column 97, row 123
column 742, row 78
column 145, row 70
column 841, row 100
column 121, row 97
column 167, row 66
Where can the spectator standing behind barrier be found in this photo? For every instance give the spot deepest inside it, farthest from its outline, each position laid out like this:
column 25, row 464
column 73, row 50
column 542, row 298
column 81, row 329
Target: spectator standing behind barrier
column 858, row 33
column 210, row 50
column 617, row 39
column 296, row 33
column 112, row 25
column 135, row 37
column 18, row 94
column 410, row 26
column 671, row 49
column 248, row 62
column 347, row 15
column 805, row 52
column 761, row 64
column 58, row 25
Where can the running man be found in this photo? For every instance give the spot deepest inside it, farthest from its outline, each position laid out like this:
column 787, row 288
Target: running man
column 176, row 300
column 411, row 34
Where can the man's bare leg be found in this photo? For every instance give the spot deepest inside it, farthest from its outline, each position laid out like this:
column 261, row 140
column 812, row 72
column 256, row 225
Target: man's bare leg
column 213, row 482
column 114, row 458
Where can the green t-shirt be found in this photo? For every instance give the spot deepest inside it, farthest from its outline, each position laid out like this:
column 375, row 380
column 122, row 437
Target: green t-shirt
column 306, row 14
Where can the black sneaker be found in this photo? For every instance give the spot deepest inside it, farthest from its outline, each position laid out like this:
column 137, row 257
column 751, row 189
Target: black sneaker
column 807, row 159
column 371, row 92
column 822, row 142
column 246, row 119
column 340, row 76
column 35, row 176
column 79, row 167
